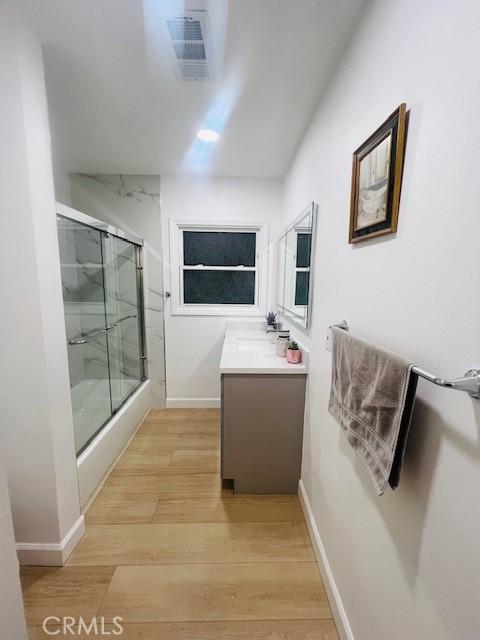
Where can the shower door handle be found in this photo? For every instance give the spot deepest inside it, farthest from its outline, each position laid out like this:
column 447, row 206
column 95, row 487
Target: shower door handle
column 92, row 336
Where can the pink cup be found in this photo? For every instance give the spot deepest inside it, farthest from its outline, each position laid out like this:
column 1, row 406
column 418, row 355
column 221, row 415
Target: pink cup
column 294, row 356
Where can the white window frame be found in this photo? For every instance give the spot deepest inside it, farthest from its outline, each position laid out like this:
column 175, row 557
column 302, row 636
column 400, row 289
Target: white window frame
column 299, row 231
column 179, row 307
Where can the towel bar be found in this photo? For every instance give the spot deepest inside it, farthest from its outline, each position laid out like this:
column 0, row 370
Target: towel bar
column 470, row 382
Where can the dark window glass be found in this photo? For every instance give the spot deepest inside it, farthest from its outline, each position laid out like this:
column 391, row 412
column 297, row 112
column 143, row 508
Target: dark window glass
column 219, row 248
column 219, row 287
column 304, row 241
column 301, row 288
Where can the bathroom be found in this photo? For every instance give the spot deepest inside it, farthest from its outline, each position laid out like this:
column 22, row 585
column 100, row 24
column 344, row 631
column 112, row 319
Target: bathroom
column 171, row 466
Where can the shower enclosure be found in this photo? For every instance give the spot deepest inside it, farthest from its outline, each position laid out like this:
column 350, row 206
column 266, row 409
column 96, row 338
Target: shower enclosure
column 103, row 299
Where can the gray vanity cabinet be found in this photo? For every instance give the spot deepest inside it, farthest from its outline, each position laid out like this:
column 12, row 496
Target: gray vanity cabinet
column 262, row 431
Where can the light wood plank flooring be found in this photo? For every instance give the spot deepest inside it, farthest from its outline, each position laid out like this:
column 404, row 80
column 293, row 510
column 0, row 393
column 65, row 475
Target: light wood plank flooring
column 179, row 558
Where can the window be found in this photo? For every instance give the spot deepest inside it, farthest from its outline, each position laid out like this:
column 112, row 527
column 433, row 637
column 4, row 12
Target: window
column 218, row 270
column 302, row 268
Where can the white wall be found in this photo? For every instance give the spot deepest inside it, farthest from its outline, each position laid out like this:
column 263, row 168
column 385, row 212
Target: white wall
column 12, row 616
column 63, row 191
column 407, row 564
column 194, row 343
column 36, row 430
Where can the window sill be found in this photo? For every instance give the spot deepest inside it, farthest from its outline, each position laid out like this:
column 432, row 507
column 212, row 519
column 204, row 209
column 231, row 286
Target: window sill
column 220, row 310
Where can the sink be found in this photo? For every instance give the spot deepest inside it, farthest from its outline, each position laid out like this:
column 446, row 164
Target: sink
column 251, row 351
column 260, row 346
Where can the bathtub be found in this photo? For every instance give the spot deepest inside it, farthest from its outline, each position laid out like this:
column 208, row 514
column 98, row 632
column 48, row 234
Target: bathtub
column 96, row 460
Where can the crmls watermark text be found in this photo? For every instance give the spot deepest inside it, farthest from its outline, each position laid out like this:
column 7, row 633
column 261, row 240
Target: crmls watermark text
column 69, row 626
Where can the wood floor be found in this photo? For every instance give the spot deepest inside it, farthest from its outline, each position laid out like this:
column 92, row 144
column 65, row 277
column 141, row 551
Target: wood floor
column 178, row 558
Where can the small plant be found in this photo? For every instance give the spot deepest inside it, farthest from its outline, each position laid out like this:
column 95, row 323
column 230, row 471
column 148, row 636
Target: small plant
column 294, row 353
column 271, row 318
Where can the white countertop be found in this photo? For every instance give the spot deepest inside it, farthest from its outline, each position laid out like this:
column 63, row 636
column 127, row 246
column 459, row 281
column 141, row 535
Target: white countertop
column 252, row 350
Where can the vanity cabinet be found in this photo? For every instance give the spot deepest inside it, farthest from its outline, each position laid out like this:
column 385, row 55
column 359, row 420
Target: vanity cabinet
column 262, row 431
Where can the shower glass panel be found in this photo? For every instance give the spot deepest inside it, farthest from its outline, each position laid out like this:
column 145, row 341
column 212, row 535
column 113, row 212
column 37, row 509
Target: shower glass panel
column 85, row 321
column 123, row 305
column 102, row 294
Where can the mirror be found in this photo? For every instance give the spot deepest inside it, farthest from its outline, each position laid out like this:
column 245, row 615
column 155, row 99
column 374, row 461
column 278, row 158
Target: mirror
column 295, row 257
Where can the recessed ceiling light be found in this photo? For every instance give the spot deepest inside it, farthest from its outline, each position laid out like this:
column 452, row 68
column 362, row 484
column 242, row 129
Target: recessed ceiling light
column 208, row 135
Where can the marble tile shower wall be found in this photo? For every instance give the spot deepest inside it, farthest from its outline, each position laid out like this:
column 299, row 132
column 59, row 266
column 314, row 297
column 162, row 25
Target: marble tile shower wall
column 133, row 203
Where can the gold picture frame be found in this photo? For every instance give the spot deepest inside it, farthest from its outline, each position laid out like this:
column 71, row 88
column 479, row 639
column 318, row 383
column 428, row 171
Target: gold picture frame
column 377, row 179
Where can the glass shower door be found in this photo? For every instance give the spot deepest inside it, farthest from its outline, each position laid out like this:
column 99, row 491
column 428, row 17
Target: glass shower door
column 102, row 294
column 124, row 314
column 81, row 257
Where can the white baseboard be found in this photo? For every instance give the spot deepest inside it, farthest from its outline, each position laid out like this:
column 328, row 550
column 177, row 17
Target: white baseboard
column 51, row 554
column 336, row 604
column 193, row 403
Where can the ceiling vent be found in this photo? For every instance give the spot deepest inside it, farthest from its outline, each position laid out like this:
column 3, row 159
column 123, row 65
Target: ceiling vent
column 191, row 47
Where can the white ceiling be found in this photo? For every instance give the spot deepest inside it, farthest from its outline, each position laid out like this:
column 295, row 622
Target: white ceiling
column 116, row 105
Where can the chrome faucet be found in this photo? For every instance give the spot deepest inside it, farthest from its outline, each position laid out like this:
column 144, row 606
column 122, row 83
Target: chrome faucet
column 277, row 329
column 270, row 328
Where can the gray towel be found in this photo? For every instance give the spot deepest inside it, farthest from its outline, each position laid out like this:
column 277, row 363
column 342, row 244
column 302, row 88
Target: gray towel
column 371, row 397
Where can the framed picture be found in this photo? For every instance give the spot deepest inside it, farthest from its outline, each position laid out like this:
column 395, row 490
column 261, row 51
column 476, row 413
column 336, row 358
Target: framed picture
column 377, row 179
